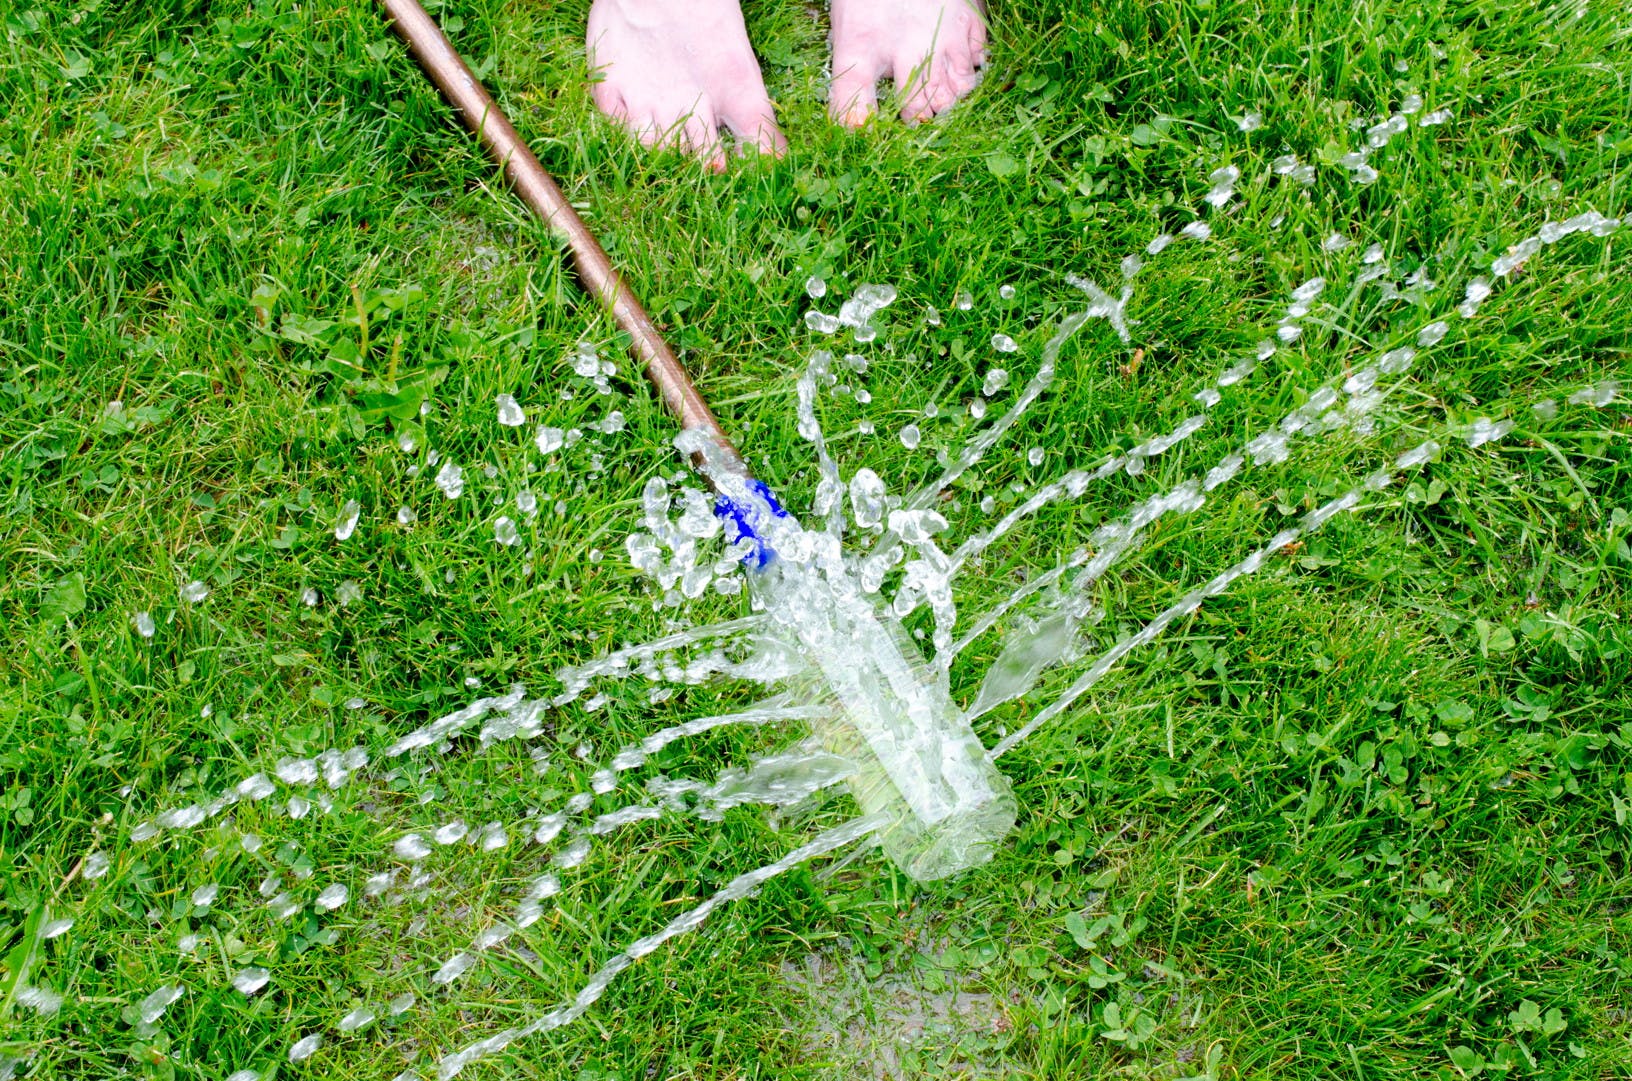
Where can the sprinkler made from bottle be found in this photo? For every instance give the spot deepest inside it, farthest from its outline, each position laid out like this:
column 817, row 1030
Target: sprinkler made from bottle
column 918, row 762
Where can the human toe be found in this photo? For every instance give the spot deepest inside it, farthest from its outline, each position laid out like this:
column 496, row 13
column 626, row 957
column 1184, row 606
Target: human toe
column 853, row 96
column 699, row 137
column 923, row 88
column 609, row 100
column 753, row 121
column 938, row 84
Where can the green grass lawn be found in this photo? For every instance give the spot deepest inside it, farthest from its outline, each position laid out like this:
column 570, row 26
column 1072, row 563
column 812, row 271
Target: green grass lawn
column 1364, row 816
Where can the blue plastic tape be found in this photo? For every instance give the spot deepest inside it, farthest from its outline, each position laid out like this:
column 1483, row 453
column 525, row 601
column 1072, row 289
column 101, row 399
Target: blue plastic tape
column 745, row 519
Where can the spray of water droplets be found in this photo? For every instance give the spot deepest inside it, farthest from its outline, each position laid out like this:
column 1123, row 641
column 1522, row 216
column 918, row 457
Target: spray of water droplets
column 897, row 553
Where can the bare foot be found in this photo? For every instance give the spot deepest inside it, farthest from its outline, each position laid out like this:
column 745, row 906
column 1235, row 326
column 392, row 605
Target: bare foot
column 929, row 48
column 673, row 73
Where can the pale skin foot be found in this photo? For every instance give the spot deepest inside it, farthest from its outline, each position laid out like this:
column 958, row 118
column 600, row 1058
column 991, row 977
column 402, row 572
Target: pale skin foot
column 674, row 72
column 928, row 48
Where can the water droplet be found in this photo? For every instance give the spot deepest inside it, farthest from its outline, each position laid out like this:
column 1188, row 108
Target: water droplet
column 305, row 1047
column 1396, row 361
column 412, row 847
column 1484, row 430
column 194, row 592
column 453, row 968
column 1223, row 180
column 504, row 531
column 576, row 851
column 96, row 865
column 916, row 526
column 308, row 597
column 349, row 593
column 144, row 624
column 1335, row 242
column 451, row 480
column 153, row 1006
column 1546, row 409
column 346, row 525
column 510, row 411
column 42, row 1001
column 586, row 362
column 181, row 818
column 357, row 1019
column 1006, row 292
column 995, row 380
column 1268, row 448
column 252, row 979
column 866, row 498
column 1432, row 334
column 1417, row 455
column 332, row 897
column 401, row 1004
column 815, row 288
column 206, row 894
column 1598, row 395
column 548, row 440
column 1379, row 134
column 1309, row 290
column 1004, row 344
column 296, row 771
column 911, row 437
column 1250, row 122
column 1035, row 456
column 453, row 831
column 821, row 322
column 964, row 301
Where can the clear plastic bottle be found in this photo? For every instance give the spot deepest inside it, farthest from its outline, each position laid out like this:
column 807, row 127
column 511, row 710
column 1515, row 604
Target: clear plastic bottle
column 918, row 760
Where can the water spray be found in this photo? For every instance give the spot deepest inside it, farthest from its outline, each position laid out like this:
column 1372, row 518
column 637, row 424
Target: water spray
column 920, row 770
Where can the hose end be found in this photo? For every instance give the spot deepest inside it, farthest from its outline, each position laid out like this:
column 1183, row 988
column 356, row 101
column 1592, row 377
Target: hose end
column 746, row 519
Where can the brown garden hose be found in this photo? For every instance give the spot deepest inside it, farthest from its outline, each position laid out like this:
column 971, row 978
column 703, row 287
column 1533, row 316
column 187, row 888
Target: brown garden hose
column 482, row 116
